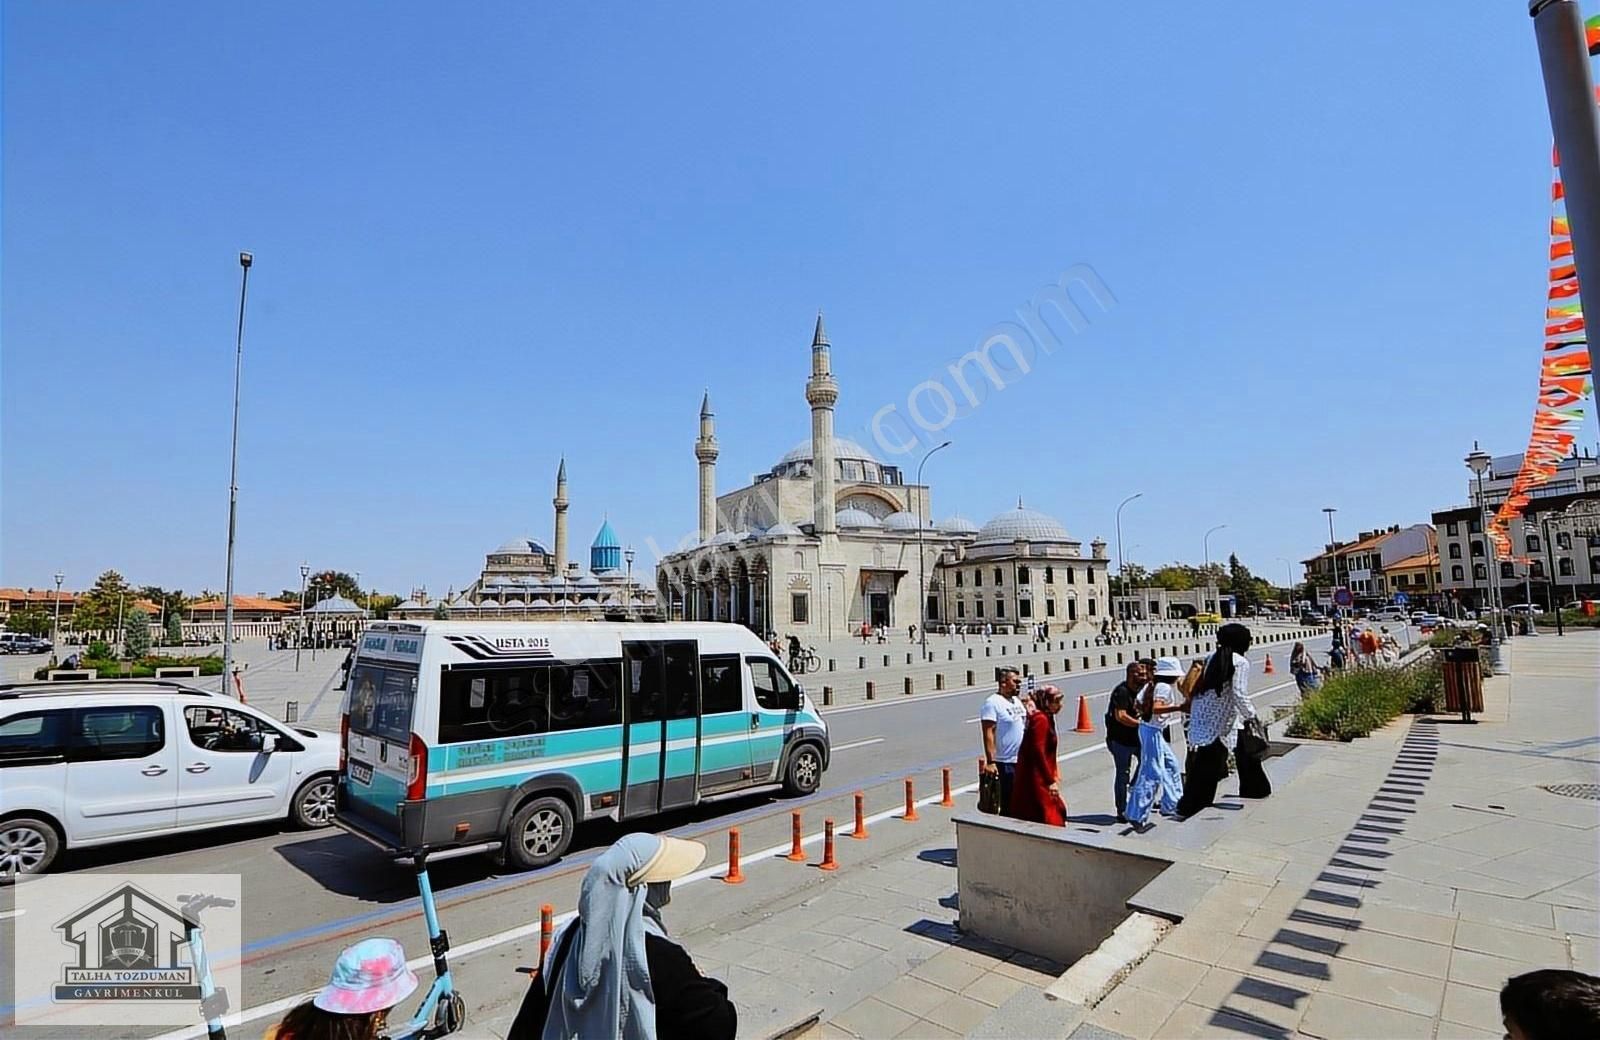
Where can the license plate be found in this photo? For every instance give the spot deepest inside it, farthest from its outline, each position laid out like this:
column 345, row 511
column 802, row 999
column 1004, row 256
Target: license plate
column 361, row 773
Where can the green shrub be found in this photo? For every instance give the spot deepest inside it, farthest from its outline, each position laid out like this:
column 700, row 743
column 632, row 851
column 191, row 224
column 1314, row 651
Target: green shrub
column 99, row 649
column 109, row 667
column 1356, row 703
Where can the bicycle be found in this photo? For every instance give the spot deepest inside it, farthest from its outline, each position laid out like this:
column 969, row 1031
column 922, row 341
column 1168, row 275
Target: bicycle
column 213, row 1002
column 808, row 660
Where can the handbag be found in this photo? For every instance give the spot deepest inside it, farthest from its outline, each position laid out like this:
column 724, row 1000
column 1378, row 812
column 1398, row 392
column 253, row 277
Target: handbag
column 1190, row 683
column 989, row 793
column 1253, row 740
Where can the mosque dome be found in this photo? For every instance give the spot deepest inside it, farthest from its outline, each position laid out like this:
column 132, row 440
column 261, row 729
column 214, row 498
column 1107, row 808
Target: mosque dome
column 606, row 538
column 521, row 547
column 856, row 518
column 958, row 524
column 605, row 553
column 782, row 530
column 1022, row 524
column 904, row 521
column 843, row 448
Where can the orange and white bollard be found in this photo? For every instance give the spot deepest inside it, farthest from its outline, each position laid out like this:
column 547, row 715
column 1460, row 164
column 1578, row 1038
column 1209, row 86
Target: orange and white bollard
column 860, row 833
column 734, row 876
column 828, row 862
column 547, row 929
column 910, row 815
column 797, row 854
column 948, row 801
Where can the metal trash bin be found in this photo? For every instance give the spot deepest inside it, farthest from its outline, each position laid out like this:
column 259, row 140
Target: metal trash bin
column 1463, row 680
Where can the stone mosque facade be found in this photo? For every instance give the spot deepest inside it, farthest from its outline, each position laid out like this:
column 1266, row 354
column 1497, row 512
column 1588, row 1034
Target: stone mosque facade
column 832, row 538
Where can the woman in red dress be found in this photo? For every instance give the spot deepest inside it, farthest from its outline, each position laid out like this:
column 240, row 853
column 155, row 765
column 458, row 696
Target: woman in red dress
column 1036, row 791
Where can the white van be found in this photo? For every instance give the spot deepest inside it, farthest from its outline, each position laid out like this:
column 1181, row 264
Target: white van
column 466, row 736
column 91, row 763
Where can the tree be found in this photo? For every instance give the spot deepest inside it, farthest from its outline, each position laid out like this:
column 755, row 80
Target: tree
column 175, row 627
column 381, row 604
column 1174, row 577
column 325, row 584
column 30, row 621
column 1135, row 577
column 98, row 608
column 136, row 634
column 1242, row 584
column 441, row 612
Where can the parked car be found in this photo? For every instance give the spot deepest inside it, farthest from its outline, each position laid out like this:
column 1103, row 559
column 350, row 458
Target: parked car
column 92, row 763
column 1209, row 618
column 1524, row 608
column 1313, row 617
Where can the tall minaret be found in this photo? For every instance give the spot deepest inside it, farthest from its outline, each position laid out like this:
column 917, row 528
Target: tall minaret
column 821, row 394
column 705, row 450
column 560, row 502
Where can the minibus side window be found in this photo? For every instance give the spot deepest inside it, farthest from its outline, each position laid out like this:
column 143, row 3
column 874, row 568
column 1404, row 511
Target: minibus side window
column 773, row 690
column 720, row 688
column 585, row 694
column 683, row 685
column 493, row 705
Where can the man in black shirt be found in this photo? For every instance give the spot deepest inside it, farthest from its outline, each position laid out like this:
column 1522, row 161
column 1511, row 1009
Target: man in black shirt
column 1122, row 732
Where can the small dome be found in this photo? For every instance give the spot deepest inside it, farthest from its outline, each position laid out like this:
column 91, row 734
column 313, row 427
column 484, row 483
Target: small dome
column 958, row 524
column 1022, row 524
column 409, row 604
column 903, row 521
column 723, row 538
column 521, row 547
column 514, row 602
column 856, row 518
column 588, row 581
column 784, row 530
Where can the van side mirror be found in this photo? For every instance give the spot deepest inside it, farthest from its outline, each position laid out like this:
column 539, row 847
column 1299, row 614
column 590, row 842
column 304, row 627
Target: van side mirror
column 269, row 743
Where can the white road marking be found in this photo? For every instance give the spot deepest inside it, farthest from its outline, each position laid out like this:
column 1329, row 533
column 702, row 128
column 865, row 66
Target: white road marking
column 857, row 743
column 749, row 860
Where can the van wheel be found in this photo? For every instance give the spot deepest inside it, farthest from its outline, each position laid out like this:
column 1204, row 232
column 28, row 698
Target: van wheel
column 28, row 845
column 804, row 774
column 539, row 833
column 314, row 803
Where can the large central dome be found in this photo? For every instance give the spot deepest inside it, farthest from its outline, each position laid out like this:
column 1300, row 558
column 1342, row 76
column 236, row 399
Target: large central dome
column 843, row 448
column 1022, row 524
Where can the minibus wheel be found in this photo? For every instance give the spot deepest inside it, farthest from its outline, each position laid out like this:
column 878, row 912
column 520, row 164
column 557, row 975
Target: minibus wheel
column 539, row 833
column 804, row 774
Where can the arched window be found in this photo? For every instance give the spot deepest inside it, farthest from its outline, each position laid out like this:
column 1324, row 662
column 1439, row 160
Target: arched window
column 1563, row 540
column 1536, row 569
column 1477, row 548
column 1457, row 573
column 1455, row 550
column 799, row 560
column 1564, row 566
column 1507, row 570
column 1533, row 543
column 1479, row 572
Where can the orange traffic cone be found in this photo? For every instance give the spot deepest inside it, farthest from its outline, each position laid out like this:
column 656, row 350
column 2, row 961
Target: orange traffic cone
column 1084, row 725
column 1268, row 670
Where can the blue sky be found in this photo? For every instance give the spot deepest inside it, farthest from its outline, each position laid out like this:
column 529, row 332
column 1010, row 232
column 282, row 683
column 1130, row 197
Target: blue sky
column 489, row 236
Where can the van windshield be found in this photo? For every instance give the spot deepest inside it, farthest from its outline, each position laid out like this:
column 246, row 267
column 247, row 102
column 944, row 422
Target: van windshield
column 381, row 698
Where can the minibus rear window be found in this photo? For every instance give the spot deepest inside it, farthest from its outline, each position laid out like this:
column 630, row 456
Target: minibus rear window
column 381, row 698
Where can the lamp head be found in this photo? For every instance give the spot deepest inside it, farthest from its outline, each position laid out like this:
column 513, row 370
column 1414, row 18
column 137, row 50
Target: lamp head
column 1478, row 461
column 245, row 260
column 59, row 577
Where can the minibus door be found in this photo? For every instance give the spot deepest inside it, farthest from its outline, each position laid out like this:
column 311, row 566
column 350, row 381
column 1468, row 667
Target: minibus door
column 661, row 728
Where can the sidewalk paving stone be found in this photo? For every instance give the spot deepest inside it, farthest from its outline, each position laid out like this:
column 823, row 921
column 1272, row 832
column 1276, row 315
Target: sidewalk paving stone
column 1487, row 970
column 1470, row 1006
column 1330, row 1016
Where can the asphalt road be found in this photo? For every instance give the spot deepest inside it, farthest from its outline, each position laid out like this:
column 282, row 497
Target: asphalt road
column 306, row 895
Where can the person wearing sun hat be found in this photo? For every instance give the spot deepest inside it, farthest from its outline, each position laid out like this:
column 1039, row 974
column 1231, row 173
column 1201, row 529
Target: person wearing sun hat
column 612, row 971
column 1159, row 777
column 368, row 980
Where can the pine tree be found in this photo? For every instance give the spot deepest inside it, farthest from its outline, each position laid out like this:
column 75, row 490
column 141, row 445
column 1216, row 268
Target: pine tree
column 174, row 628
column 136, row 633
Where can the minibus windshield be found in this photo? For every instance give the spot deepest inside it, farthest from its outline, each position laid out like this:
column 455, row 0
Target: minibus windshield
column 381, row 698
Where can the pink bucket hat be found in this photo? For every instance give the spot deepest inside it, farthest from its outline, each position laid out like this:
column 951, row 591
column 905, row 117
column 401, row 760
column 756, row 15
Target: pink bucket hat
column 370, row 976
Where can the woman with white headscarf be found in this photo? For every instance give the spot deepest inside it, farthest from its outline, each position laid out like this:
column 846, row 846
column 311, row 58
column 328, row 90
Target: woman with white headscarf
column 612, row 971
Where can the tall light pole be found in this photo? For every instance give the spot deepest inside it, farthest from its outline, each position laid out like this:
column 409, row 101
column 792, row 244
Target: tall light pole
column 922, row 562
column 1478, row 461
column 55, row 624
column 1122, row 581
column 1206, row 548
column 1288, row 573
column 300, row 628
column 627, row 592
column 1333, row 554
column 233, row 474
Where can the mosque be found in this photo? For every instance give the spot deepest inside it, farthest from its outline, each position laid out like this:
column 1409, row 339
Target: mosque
column 524, row 580
column 832, row 538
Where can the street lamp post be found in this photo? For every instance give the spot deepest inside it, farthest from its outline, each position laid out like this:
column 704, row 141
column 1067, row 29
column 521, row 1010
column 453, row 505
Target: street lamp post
column 233, row 475
column 1478, row 462
column 1206, row 548
column 1288, row 574
column 1333, row 552
column 627, row 592
column 55, row 624
column 1552, row 596
column 1527, row 579
column 1122, row 578
column 300, row 628
column 922, row 558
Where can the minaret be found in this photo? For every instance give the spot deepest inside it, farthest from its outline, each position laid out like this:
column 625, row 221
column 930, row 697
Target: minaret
column 705, row 450
column 560, row 502
column 821, row 394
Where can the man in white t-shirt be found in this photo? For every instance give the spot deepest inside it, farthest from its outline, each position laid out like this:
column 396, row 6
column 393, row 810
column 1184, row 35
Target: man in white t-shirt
column 1002, row 720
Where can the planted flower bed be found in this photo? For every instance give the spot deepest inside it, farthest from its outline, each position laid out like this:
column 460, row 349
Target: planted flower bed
column 141, row 668
column 1356, row 703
